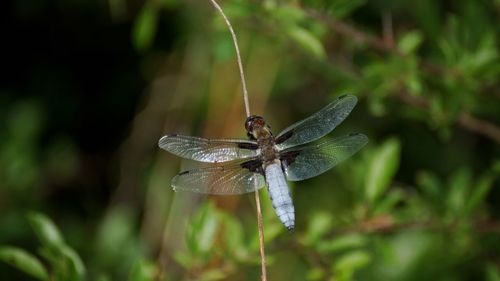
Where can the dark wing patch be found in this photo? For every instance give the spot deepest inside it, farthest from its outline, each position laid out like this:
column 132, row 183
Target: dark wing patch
column 254, row 166
column 248, row 145
column 289, row 157
column 281, row 138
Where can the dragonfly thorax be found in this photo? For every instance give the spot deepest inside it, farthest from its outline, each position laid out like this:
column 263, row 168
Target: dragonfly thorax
column 257, row 129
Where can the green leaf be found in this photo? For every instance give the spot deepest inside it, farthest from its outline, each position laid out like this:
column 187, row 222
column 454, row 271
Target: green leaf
column 342, row 8
column 486, row 54
column 307, row 41
column 23, row 261
column 316, row 273
column 430, row 185
column 479, row 192
column 414, row 83
column 377, row 107
column 383, row 167
column 184, row 258
column 203, row 228
column 387, row 203
column 350, row 262
column 64, row 259
column 103, row 277
column 492, row 272
column 212, row 275
column 143, row 270
column 46, row 231
column 288, row 14
column 236, row 10
column 144, row 29
column 319, row 224
column 410, row 42
column 114, row 240
column 458, row 187
column 76, row 269
column 234, row 236
column 344, row 242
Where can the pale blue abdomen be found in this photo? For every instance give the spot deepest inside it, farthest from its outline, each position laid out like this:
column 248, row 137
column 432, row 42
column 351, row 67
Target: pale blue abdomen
column 280, row 194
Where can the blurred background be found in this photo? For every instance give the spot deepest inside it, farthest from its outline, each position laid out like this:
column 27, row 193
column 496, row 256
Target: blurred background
column 88, row 88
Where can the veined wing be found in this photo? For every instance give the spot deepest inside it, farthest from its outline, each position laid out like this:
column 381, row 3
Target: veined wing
column 233, row 178
column 206, row 150
column 310, row 160
column 318, row 124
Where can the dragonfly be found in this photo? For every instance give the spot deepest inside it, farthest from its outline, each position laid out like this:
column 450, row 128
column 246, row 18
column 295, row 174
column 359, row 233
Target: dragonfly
column 240, row 166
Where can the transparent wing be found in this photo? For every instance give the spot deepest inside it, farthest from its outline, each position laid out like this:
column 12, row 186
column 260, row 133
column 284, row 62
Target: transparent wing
column 205, row 150
column 308, row 161
column 233, row 178
column 318, row 124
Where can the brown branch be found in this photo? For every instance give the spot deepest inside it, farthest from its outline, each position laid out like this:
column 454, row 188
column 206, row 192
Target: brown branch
column 465, row 120
column 385, row 224
column 387, row 29
column 379, row 44
column 479, row 126
column 349, row 31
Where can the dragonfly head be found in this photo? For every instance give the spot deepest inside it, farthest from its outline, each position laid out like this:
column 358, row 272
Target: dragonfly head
column 254, row 126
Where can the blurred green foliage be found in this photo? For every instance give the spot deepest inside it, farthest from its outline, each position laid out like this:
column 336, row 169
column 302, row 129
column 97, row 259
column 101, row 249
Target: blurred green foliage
column 64, row 261
column 78, row 144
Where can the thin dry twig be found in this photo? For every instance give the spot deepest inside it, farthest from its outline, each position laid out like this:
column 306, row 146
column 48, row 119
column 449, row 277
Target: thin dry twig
column 240, row 64
column 261, row 237
column 247, row 109
column 387, row 29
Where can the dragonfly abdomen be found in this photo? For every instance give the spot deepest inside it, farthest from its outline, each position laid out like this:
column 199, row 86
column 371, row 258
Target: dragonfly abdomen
column 280, row 194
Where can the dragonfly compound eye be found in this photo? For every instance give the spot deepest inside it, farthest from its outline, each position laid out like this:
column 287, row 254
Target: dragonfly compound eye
column 253, row 121
column 248, row 123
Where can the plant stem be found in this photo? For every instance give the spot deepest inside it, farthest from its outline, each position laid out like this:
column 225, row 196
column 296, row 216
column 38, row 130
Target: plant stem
column 247, row 110
column 240, row 64
column 261, row 237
